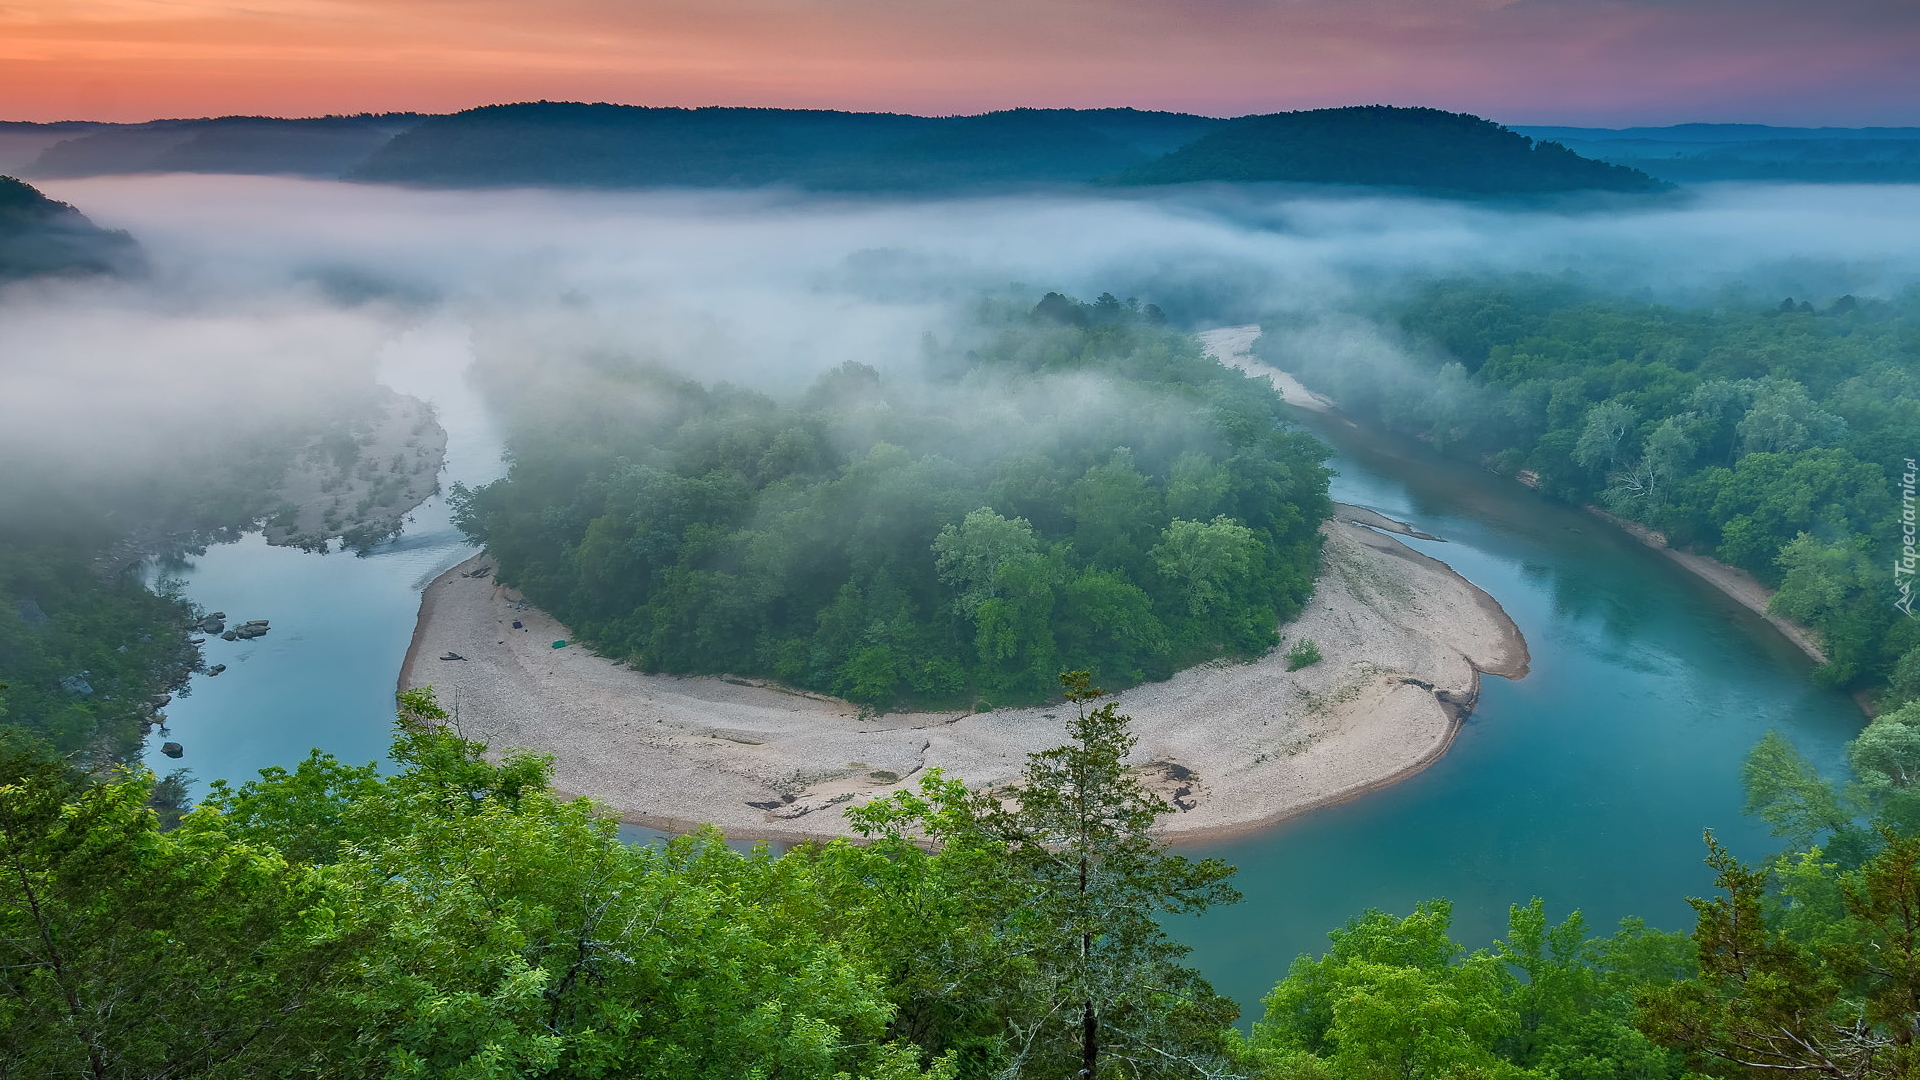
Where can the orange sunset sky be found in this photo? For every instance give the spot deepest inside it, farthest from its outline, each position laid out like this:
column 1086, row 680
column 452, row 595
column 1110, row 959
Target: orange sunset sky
column 1843, row 62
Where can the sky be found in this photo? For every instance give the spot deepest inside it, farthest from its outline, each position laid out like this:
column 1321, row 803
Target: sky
column 1589, row 62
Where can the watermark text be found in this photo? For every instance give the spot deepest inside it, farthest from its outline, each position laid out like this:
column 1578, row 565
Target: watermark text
column 1904, row 563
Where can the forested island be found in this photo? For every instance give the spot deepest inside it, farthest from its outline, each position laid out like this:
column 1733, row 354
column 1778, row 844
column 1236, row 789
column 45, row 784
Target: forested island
column 1079, row 487
column 1770, row 436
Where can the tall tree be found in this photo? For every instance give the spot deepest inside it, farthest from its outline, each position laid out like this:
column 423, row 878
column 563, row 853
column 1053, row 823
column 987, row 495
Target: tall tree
column 1080, row 884
column 1837, row 997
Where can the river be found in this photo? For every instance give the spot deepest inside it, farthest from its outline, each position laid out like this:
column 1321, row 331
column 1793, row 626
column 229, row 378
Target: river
column 324, row 676
column 1587, row 783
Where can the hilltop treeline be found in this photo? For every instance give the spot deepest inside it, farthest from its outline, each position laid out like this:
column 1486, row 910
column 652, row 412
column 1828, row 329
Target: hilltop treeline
column 627, row 146
column 39, row 235
column 1084, row 489
column 1380, row 145
column 1772, row 437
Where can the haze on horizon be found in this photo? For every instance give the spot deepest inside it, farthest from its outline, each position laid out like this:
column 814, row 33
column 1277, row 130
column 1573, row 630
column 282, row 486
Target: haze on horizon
column 1585, row 62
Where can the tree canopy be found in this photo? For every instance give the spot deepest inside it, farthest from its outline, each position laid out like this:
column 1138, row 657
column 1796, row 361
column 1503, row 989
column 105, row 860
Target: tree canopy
column 1769, row 436
column 1079, row 488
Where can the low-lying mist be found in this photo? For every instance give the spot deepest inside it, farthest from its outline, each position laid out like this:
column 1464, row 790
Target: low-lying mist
column 269, row 300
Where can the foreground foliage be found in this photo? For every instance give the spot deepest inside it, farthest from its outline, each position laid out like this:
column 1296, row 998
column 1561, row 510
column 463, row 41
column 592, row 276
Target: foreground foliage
column 1399, row 997
column 1084, row 490
column 456, row 918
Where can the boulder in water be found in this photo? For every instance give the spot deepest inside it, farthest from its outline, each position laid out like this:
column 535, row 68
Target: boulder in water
column 216, row 669
column 173, row 749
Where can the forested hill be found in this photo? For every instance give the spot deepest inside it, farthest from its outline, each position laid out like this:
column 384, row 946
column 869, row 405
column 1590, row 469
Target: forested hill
column 633, row 146
column 626, row 146
column 630, row 146
column 1082, row 488
column 39, row 235
column 1695, row 152
column 1386, row 146
column 312, row 146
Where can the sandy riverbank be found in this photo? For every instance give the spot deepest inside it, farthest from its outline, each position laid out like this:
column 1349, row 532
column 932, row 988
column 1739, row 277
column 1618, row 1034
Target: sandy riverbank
column 1736, row 583
column 1233, row 346
column 1236, row 746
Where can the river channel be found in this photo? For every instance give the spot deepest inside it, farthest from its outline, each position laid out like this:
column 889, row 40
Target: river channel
column 1587, row 783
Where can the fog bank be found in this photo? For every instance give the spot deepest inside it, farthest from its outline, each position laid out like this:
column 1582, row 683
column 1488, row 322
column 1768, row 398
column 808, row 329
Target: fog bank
column 269, row 299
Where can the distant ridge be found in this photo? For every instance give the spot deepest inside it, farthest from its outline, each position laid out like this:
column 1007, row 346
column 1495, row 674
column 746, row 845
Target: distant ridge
column 39, row 236
column 574, row 144
column 631, row 146
column 318, row 146
column 1692, row 152
column 1385, row 146
column 640, row 146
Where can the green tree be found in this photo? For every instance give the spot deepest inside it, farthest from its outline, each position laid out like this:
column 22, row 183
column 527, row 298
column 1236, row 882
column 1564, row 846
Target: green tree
column 974, row 555
column 1838, row 1003
column 1206, row 561
column 1077, row 883
column 128, row 952
column 1603, row 436
column 1399, row 997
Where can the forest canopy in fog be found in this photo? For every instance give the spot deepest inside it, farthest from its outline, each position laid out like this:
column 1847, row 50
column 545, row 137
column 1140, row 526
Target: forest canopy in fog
column 1769, row 435
column 1085, row 489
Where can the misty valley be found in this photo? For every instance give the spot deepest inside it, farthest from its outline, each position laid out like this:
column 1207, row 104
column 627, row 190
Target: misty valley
column 591, row 591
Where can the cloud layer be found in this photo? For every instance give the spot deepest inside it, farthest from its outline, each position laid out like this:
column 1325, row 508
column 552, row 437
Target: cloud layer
column 270, row 299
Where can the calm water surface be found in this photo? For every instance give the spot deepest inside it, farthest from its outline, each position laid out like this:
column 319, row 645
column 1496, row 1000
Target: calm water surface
column 1587, row 783
column 324, row 676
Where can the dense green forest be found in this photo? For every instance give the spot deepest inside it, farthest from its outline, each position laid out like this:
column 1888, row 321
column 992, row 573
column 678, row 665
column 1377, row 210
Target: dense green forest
column 454, row 917
column 1076, row 487
column 1770, row 436
column 1381, row 145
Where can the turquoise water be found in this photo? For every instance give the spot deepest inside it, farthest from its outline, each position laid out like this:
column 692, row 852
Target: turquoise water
column 1587, row 783
column 325, row 675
